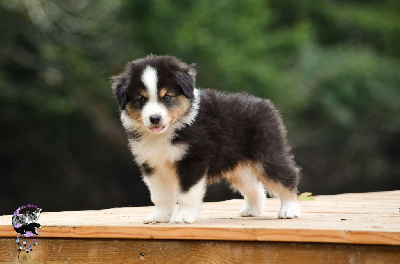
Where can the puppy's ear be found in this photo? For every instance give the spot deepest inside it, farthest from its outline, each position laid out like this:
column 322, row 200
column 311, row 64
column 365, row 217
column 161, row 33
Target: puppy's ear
column 119, row 86
column 186, row 79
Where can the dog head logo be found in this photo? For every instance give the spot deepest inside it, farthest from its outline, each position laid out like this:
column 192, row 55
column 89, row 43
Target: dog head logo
column 25, row 223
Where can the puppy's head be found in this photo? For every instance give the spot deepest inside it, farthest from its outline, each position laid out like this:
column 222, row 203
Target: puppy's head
column 155, row 91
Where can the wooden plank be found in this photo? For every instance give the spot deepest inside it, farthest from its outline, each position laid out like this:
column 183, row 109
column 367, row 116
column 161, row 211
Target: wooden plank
column 368, row 218
column 178, row 251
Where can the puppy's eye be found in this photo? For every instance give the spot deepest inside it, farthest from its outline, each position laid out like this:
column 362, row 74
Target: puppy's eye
column 141, row 100
column 167, row 98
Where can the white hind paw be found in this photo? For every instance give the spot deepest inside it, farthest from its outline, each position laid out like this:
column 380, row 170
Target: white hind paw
column 290, row 209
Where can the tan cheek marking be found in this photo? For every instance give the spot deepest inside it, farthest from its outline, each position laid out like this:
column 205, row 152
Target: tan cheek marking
column 132, row 113
column 178, row 111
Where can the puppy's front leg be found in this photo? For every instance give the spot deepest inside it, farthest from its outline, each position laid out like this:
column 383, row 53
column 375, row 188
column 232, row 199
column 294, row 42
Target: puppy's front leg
column 190, row 203
column 163, row 195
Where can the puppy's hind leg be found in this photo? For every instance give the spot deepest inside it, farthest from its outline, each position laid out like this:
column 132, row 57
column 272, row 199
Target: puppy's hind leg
column 290, row 206
column 252, row 190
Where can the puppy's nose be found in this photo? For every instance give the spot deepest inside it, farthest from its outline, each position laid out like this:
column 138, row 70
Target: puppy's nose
column 155, row 119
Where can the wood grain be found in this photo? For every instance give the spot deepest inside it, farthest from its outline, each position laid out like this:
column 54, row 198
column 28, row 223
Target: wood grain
column 178, row 251
column 366, row 218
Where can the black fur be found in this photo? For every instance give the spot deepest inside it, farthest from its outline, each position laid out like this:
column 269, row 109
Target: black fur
column 146, row 169
column 31, row 227
column 132, row 134
column 231, row 129
column 186, row 82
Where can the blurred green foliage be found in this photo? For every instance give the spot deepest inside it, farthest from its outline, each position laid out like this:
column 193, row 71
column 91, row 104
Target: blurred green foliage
column 331, row 67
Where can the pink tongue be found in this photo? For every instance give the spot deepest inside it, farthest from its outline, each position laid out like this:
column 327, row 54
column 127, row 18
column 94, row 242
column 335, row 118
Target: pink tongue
column 156, row 129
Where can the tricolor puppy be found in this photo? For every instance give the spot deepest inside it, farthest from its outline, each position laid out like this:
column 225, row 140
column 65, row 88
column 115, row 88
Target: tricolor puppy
column 184, row 138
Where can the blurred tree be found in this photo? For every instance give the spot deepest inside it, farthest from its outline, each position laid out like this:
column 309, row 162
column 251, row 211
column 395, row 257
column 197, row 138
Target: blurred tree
column 331, row 67
column 61, row 141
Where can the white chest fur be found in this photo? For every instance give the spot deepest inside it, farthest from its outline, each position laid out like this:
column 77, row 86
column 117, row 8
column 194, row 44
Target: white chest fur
column 156, row 149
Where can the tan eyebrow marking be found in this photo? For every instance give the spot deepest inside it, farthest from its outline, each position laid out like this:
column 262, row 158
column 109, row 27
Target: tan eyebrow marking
column 163, row 91
column 142, row 93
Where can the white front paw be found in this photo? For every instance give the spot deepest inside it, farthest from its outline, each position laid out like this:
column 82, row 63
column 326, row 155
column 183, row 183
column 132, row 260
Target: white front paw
column 251, row 211
column 184, row 218
column 290, row 210
column 157, row 217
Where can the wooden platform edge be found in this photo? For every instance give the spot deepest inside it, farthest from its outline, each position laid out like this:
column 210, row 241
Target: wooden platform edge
column 209, row 233
column 62, row 250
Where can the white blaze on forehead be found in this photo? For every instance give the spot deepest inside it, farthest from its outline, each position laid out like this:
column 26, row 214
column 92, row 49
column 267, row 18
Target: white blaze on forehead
column 149, row 79
column 152, row 107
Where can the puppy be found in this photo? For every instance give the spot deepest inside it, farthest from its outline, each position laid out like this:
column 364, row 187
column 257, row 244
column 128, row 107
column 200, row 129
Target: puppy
column 184, row 138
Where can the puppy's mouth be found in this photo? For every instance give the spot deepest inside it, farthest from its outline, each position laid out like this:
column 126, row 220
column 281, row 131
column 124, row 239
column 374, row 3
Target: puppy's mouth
column 157, row 129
